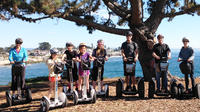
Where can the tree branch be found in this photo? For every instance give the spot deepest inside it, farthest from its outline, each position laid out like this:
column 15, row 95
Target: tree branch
column 156, row 17
column 186, row 11
column 136, row 12
column 96, row 25
column 115, row 8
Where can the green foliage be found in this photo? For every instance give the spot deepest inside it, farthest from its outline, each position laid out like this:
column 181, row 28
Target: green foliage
column 44, row 46
column 84, row 9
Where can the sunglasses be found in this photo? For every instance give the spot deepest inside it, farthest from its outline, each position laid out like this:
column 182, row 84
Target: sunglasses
column 185, row 41
column 18, row 43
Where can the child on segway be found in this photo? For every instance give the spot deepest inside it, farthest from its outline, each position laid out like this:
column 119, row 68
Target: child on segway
column 99, row 52
column 55, row 67
column 161, row 53
column 129, row 51
column 186, row 55
column 83, row 58
column 69, row 57
column 53, row 59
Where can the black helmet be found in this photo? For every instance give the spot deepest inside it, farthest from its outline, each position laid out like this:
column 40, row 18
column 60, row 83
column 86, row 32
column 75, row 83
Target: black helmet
column 53, row 51
column 18, row 41
column 68, row 44
column 129, row 33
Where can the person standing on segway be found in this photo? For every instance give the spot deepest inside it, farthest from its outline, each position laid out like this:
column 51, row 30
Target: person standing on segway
column 83, row 56
column 99, row 52
column 187, row 54
column 18, row 54
column 52, row 60
column 161, row 51
column 129, row 49
column 71, row 54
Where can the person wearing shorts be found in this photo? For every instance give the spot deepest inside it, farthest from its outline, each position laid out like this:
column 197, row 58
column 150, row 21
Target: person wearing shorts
column 129, row 49
column 98, row 52
column 83, row 56
column 51, row 61
column 71, row 54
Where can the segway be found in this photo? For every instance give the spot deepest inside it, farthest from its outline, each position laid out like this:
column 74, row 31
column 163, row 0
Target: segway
column 59, row 100
column 100, row 63
column 85, row 65
column 130, row 65
column 163, row 65
column 69, row 91
column 23, row 94
column 186, row 69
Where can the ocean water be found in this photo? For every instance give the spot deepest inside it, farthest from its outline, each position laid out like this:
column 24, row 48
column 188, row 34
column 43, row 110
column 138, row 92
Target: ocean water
column 113, row 68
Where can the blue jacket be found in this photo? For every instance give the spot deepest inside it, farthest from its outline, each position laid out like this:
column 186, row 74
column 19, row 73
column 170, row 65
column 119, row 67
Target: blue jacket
column 186, row 53
column 21, row 56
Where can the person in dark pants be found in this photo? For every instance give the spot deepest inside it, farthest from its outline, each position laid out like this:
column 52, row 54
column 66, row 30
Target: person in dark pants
column 129, row 49
column 187, row 54
column 18, row 54
column 99, row 52
column 161, row 50
column 71, row 54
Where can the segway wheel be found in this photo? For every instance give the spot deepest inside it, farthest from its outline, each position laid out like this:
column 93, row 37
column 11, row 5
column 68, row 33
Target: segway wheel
column 180, row 91
column 174, row 91
column 8, row 98
column 44, row 105
column 28, row 95
column 107, row 92
column 151, row 89
column 64, row 103
column 75, row 98
column 141, row 88
column 62, row 97
column 94, row 98
column 119, row 89
column 198, row 91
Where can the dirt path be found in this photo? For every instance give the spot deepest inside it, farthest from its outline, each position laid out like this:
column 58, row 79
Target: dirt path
column 111, row 104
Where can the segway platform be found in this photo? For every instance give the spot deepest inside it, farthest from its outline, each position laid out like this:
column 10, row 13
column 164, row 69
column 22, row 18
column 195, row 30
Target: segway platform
column 84, row 97
column 120, row 88
column 105, row 92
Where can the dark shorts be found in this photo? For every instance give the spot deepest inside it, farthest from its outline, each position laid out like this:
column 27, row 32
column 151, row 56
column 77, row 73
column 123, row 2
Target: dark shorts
column 95, row 73
column 66, row 74
column 18, row 73
column 129, row 74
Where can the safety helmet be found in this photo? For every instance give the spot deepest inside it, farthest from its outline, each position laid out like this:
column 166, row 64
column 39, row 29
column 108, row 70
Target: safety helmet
column 53, row 51
column 68, row 44
column 129, row 33
column 81, row 45
column 18, row 41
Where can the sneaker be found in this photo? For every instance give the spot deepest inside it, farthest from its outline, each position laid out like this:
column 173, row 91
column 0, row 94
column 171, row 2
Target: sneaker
column 133, row 89
column 158, row 91
column 88, row 94
column 166, row 91
column 69, row 90
column 80, row 94
column 128, row 88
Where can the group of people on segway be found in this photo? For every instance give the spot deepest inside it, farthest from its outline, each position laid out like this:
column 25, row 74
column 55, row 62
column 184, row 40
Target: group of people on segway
column 79, row 75
column 161, row 54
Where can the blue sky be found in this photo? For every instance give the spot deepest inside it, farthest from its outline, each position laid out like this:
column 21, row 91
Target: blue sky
column 58, row 32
